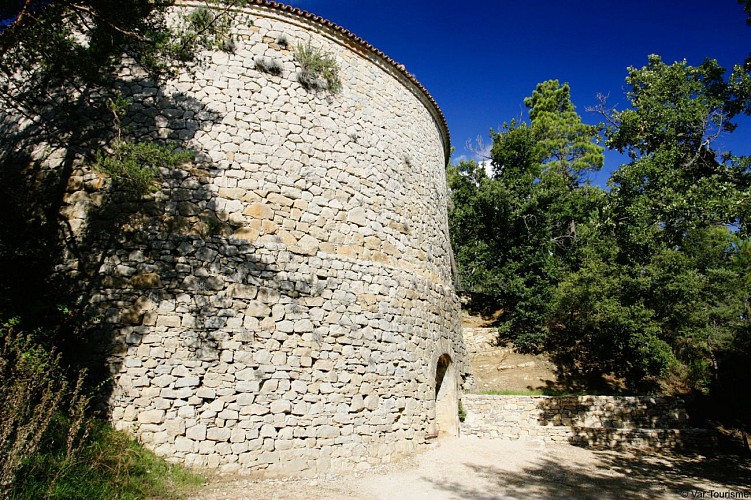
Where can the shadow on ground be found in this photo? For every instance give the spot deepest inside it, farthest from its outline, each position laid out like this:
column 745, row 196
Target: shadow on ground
column 617, row 475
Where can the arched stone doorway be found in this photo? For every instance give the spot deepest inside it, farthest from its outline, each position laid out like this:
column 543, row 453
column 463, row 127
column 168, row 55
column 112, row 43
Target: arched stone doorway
column 446, row 397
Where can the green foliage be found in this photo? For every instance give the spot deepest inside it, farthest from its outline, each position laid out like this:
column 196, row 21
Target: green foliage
column 461, row 412
column 516, row 233
column 110, row 465
column 51, row 448
column 83, row 40
column 644, row 285
column 676, row 181
column 601, row 327
column 747, row 8
column 319, row 70
column 562, row 141
column 36, row 401
column 673, row 105
column 210, row 29
column 201, row 29
column 134, row 166
column 663, row 299
column 270, row 66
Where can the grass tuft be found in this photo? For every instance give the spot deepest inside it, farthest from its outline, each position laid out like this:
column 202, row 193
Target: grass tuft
column 111, row 465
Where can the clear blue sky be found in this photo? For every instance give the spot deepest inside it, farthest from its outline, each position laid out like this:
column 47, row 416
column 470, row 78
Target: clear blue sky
column 479, row 59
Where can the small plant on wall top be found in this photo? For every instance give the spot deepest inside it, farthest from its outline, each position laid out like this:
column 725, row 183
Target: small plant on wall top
column 319, row 69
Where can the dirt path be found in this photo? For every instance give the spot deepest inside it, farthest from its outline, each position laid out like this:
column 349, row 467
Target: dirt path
column 472, row 468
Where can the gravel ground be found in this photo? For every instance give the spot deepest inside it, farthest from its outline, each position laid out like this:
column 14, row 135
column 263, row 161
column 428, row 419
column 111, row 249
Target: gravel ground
column 475, row 468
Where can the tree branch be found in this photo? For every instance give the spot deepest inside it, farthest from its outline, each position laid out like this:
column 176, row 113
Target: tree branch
column 99, row 17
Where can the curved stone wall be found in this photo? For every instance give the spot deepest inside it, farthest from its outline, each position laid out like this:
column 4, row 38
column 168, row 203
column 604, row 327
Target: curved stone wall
column 283, row 304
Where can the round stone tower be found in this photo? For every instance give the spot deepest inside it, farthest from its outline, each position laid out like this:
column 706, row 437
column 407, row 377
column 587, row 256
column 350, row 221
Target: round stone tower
column 289, row 306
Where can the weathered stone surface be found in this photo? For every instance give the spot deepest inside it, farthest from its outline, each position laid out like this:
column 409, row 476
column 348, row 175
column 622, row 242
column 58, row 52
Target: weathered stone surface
column 281, row 304
column 597, row 421
column 151, row 417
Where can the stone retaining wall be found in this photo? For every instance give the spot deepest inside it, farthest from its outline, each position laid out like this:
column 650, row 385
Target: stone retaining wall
column 596, row 421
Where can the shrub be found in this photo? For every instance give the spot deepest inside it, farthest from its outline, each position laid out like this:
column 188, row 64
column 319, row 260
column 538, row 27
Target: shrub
column 36, row 401
column 134, row 166
column 111, row 465
column 51, row 448
column 319, row 70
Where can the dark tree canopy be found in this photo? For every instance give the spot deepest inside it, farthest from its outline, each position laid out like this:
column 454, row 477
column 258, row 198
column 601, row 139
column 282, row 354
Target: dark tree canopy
column 646, row 283
column 515, row 231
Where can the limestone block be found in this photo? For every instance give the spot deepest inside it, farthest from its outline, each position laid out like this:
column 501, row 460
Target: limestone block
column 151, row 416
column 307, row 245
column 241, row 291
column 279, row 359
column 357, row 216
column 237, row 435
column 218, row 434
column 281, row 406
column 371, row 402
column 184, row 444
column 161, row 403
column 206, row 447
column 206, row 393
column 299, row 386
column 257, row 309
column 245, row 399
column 259, row 211
column 267, row 431
column 327, row 431
column 187, row 382
column 303, row 326
column 168, row 320
column 197, row 432
column 358, row 404
column 285, row 326
column 168, row 393
column 251, row 386
column 247, row 374
column 246, row 234
column 228, row 414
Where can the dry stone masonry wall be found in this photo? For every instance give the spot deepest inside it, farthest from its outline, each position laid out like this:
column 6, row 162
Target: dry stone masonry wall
column 596, row 421
column 282, row 303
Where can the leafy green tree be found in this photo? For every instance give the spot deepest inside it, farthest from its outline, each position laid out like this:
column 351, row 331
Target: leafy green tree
column 667, row 296
column 601, row 327
column 677, row 181
column 60, row 94
column 562, row 141
column 516, row 232
column 61, row 108
column 61, row 78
